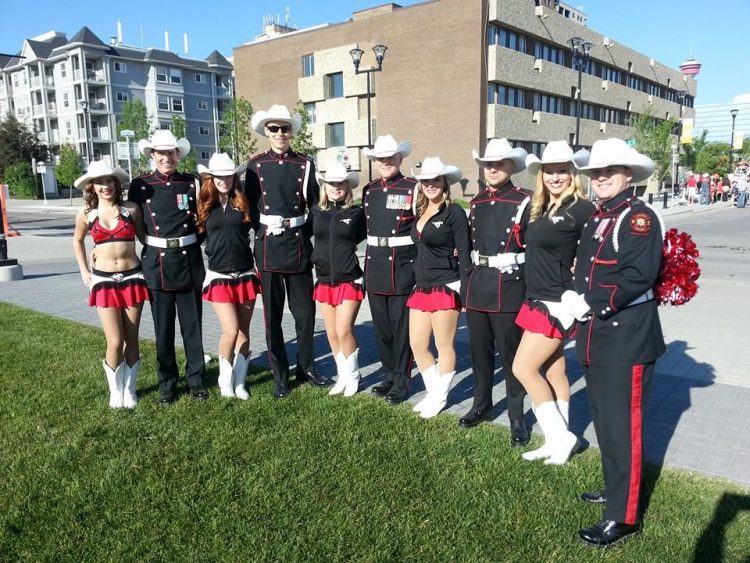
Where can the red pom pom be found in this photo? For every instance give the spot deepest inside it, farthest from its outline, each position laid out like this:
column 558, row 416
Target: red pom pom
column 679, row 269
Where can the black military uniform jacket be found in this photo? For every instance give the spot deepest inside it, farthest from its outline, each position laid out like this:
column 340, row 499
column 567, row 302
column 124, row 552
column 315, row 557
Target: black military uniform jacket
column 228, row 240
column 388, row 213
column 497, row 222
column 443, row 250
column 282, row 185
column 168, row 206
column 337, row 231
column 617, row 264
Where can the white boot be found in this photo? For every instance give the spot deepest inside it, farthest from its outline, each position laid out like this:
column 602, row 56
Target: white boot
column 428, row 377
column 564, row 408
column 558, row 442
column 351, row 365
column 438, row 397
column 539, row 453
column 129, row 397
column 225, row 377
column 116, row 382
column 341, row 372
column 239, row 375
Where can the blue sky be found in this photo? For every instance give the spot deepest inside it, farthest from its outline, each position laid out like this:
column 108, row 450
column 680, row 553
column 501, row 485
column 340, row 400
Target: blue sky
column 670, row 31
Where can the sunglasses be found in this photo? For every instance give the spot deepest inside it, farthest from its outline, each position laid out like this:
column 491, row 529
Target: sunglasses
column 275, row 128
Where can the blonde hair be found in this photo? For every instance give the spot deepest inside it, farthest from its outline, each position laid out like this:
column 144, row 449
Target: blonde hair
column 540, row 199
column 323, row 199
column 421, row 202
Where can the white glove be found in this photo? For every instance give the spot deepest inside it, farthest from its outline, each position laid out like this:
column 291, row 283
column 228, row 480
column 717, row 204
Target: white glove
column 561, row 313
column 361, row 281
column 275, row 231
column 455, row 286
column 576, row 305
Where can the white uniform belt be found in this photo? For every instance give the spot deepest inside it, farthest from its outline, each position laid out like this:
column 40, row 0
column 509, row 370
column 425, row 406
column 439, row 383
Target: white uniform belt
column 178, row 242
column 211, row 276
column 499, row 261
column 648, row 296
column 389, row 241
column 277, row 221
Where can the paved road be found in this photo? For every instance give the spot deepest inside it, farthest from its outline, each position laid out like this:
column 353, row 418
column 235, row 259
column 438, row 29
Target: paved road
column 698, row 413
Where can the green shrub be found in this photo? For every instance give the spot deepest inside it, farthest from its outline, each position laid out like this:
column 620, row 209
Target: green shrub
column 20, row 180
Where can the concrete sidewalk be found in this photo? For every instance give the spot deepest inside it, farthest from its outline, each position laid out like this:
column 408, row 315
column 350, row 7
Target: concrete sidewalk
column 697, row 416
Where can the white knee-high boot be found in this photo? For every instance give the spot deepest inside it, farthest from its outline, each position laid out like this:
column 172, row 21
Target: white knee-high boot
column 116, row 382
column 428, row 377
column 558, row 442
column 226, row 371
column 342, row 374
column 239, row 375
column 129, row 397
column 439, row 395
column 351, row 366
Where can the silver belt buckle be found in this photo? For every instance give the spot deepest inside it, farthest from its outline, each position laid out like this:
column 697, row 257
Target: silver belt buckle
column 118, row 277
column 382, row 241
column 286, row 223
column 173, row 243
column 484, row 261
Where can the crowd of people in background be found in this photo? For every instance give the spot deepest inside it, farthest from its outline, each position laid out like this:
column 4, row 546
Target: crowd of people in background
column 529, row 270
column 707, row 188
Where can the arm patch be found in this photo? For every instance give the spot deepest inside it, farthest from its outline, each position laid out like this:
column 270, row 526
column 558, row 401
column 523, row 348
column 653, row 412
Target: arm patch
column 640, row 223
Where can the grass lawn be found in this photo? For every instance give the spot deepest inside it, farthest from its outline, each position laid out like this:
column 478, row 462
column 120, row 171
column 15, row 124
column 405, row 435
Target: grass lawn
column 310, row 478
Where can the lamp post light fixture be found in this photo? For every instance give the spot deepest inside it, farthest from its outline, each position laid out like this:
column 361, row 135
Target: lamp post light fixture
column 581, row 50
column 356, row 54
column 734, row 113
column 89, row 150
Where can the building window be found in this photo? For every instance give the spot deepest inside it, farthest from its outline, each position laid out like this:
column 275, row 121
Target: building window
column 335, row 85
column 205, row 155
column 635, row 83
column 548, row 104
column 497, row 35
column 203, row 130
column 308, row 65
column 200, row 78
column 64, row 70
column 68, row 128
column 164, row 125
column 121, row 96
column 177, row 104
column 506, row 95
column 120, row 67
column 336, row 135
column 310, row 109
column 163, row 103
column 161, row 74
column 611, row 74
column 202, row 104
column 175, row 76
column 549, row 53
column 66, row 100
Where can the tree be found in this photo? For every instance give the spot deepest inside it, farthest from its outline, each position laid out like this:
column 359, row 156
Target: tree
column 20, row 180
column 302, row 142
column 70, row 166
column 654, row 138
column 188, row 162
column 714, row 157
column 135, row 117
column 692, row 151
column 18, row 143
column 235, row 135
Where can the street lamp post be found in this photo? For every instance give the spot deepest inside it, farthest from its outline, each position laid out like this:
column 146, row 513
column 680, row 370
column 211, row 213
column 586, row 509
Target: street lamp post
column 734, row 113
column 581, row 50
column 128, row 134
column 356, row 54
column 89, row 150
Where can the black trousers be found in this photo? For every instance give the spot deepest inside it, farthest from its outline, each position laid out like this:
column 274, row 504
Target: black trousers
column 390, row 317
column 617, row 397
column 491, row 332
column 299, row 288
column 165, row 306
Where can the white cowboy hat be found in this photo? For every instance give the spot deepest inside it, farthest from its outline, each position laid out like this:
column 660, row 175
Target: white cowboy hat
column 99, row 169
column 220, row 164
column 386, row 146
column 616, row 152
column 164, row 140
column 432, row 167
column 276, row 112
column 501, row 149
column 338, row 173
column 556, row 152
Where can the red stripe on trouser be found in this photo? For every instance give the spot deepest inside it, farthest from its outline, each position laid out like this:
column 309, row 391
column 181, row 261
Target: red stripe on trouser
column 636, row 446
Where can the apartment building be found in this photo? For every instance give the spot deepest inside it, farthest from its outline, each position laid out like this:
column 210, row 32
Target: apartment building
column 72, row 91
column 455, row 74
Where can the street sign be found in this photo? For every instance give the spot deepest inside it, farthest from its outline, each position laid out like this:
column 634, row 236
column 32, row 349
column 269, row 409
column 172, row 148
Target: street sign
column 122, row 150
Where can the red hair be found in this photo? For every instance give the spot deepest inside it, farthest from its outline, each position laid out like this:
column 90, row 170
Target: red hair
column 209, row 198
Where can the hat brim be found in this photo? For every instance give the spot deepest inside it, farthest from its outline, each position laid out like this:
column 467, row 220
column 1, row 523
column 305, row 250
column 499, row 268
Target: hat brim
column 146, row 148
column 118, row 173
column 403, row 148
column 534, row 165
column 260, row 119
column 351, row 179
column 204, row 171
column 451, row 174
column 641, row 167
column 517, row 155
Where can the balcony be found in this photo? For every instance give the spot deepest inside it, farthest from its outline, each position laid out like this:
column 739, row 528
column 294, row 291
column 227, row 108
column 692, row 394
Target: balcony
column 52, row 109
column 95, row 75
column 38, row 109
column 39, row 81
column 223, row 92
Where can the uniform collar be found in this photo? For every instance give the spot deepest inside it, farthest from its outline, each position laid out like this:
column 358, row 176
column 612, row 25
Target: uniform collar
column 159, row 176
column 502, row 191
column 281, row 156
column 394, row 180
column 614, row 203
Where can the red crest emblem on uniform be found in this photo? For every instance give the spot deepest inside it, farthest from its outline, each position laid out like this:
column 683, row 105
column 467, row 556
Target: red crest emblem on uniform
column 640, row 224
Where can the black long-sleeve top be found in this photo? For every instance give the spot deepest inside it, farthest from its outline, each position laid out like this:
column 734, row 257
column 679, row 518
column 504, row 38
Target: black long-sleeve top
column 337, row 231
column 228, row 240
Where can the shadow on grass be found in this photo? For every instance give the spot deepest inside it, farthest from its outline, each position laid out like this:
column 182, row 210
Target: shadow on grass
column 711, row 543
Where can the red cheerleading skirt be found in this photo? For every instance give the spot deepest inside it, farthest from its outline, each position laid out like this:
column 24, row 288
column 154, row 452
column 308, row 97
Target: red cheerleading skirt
column 234, row 288
column 440, row 298
column 534, row 317
column 336, row 293
column 118, row 289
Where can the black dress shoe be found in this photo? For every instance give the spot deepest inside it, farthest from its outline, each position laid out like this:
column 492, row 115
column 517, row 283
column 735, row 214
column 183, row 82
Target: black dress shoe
column 595, row 497
column 607, row 532
column 281, row 390
column 167, row 399
column 395, row 396
column 312, row 377
column 381, row 389
column 474, row 417
column 199, row 394
column 519, row 434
